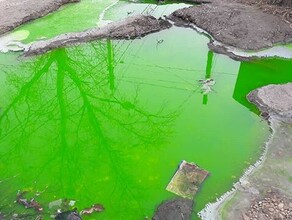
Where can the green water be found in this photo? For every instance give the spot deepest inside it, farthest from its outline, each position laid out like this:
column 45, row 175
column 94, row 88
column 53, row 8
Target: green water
column 109, row 121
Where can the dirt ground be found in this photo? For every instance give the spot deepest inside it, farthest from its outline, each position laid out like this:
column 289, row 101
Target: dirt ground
column 238, row 25
column 15, row 12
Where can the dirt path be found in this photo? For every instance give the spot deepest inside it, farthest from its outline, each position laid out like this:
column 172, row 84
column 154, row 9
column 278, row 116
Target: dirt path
column 15, row 12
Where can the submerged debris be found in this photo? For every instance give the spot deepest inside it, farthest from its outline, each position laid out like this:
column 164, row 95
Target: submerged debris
column 187, row 180
column 93, row 208
column 28, row 203
column 62, row 204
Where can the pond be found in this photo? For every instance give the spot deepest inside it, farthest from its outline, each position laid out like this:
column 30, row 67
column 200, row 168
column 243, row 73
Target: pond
column 109, row 121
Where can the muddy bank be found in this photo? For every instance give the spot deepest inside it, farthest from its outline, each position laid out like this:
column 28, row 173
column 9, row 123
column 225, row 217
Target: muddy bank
column 14, row 12
column 265, row 191
column 237, row 25
column 130, row 28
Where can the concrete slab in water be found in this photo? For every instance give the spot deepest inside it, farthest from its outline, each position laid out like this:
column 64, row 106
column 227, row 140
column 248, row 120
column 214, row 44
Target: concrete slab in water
column 187, row 180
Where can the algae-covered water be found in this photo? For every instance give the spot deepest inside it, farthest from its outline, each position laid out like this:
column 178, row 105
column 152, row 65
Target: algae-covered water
column 109, row 121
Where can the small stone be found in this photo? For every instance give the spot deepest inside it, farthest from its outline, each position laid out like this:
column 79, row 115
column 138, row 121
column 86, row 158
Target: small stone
column 271, row 209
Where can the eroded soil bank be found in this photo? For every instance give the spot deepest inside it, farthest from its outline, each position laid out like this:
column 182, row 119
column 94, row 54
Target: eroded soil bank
column 132, row 27
column 14, row 13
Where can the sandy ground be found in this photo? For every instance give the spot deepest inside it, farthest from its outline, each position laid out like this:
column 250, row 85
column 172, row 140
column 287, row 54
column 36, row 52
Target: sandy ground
column 16, row 12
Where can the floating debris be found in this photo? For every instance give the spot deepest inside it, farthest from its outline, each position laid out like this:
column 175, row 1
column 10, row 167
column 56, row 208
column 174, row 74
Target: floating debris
column 12, row 41
column 93, row 208
column 187, row 180
column 206, row 85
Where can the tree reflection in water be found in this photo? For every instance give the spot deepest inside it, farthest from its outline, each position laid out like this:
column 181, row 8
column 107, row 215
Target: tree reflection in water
column 69, row 128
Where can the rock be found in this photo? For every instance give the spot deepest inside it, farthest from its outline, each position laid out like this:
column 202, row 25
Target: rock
column 177, row 209
column 268, row 101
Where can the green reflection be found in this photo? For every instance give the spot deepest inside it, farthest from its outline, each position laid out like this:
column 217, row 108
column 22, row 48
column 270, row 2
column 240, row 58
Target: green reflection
column 256, row 74
column 73, row 134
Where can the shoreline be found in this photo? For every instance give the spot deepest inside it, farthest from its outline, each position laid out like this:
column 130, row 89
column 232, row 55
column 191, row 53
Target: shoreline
column 268, row 177
column 213, row 210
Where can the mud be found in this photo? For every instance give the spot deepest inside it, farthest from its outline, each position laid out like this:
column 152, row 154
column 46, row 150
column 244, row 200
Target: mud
column 130, row 28
column 14, row 12
column 237, row 25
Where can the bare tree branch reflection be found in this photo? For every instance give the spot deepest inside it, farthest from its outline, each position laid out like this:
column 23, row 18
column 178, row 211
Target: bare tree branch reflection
column 67, row 119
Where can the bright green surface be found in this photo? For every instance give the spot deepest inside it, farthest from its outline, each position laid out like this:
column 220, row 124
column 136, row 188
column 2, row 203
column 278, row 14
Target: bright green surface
column 71, row 18
column 108, row 122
